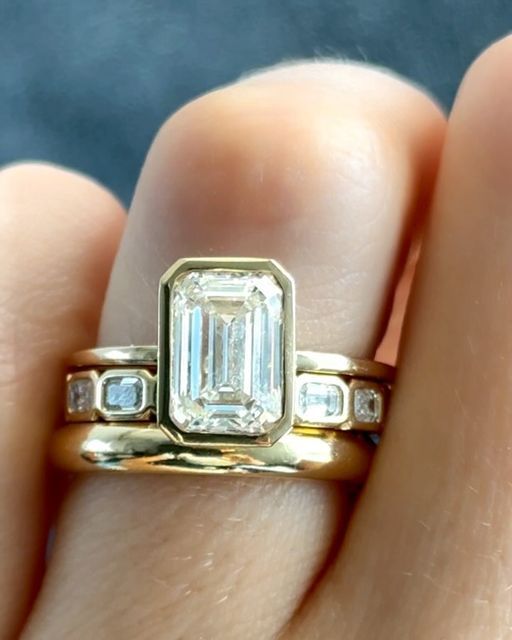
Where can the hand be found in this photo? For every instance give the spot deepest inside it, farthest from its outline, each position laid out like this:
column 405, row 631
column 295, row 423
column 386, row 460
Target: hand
column 327, row 167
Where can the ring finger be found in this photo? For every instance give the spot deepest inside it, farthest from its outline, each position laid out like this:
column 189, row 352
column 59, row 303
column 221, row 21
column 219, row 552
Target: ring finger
column 322, row 167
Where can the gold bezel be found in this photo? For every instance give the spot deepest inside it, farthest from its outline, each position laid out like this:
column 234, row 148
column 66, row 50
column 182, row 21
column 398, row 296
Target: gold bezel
column 148, row 392
column 337, row 364
column 122, row 356
column 164, row 351
column 330, row 421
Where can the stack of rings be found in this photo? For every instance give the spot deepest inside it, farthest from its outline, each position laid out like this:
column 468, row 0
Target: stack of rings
column 225, row 391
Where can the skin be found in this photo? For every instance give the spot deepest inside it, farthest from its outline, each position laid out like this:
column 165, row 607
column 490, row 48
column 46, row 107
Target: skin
column 331, row 168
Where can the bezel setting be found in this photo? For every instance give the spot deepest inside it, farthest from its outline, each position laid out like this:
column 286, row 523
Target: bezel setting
column 327, row 381
column 89, row 378
column 147, row 385
column 166, row 404
column 368, row 410
column 99, row 407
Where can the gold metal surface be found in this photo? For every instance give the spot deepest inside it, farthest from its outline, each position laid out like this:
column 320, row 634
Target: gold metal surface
column 130, row 356
column 306, row 361
column 327, row 455
column 313, row 361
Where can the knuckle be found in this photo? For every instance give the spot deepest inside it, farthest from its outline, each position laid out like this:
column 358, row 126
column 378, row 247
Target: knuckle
column 260, row 135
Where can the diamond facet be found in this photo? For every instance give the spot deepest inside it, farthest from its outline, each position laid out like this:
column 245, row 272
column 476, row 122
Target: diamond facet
column 123, row 393
column 226, row 351
column 80, row 395
column 318, row 401
column 367, row 405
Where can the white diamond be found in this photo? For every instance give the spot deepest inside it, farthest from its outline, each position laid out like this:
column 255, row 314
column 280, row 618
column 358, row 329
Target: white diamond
column 80, row 395
column 367, row 405
column 318, row 401
column 227, row 352
column 123, row 393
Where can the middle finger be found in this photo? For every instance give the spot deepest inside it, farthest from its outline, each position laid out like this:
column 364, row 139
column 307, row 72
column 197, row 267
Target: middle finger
column 319, row 166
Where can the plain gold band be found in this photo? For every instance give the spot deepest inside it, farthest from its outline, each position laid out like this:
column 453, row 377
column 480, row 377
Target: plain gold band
column 306, row 453
column 307, row 361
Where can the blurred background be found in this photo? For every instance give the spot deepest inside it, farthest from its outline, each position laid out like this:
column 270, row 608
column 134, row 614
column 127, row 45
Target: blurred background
column 86, row 83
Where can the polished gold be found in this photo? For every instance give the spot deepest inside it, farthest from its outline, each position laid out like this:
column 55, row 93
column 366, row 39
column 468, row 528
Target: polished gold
column 343, row 365
column 344, row 420
column 307, row 361
column 125, row 447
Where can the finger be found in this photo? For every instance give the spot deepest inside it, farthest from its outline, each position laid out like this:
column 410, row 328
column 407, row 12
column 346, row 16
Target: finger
column 429, row 554
column 58, row 232
column 319, row 166
column 388, row 348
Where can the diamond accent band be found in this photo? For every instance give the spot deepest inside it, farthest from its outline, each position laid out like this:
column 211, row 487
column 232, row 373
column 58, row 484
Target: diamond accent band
column 123, row 393
column 322, row 400
column 115, row 394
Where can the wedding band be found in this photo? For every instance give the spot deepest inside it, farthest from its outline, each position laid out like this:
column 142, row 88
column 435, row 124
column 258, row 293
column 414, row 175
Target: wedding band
column 307, row 453
column 225, row 390
column 119, row 384
column 146, row 356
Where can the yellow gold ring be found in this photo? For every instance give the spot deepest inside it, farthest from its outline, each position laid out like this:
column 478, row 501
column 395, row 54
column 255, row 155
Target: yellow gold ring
column 224, row 391
column 131, row 448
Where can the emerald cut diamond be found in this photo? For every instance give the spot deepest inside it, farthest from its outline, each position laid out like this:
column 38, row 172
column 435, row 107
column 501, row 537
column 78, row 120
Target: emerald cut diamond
column 226, row 342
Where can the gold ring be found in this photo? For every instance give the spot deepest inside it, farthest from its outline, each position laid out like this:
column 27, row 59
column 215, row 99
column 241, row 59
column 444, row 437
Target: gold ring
column 224, row 391
column 308, row 453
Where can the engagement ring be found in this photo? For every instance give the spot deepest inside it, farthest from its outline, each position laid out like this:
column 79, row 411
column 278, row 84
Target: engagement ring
column 225, row 390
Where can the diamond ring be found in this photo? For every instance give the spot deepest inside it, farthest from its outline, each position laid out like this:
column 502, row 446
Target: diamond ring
column 225, row 390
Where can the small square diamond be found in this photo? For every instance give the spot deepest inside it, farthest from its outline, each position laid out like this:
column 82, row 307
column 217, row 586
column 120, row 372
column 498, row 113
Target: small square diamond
column 80, row 395
column 319, row 400
column 123, row 394
column 367, row 405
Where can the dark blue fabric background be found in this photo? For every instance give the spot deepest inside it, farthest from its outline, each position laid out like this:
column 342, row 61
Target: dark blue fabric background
column 86, row 83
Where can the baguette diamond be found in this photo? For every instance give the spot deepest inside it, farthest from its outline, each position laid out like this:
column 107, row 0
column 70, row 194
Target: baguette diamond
column 226, row 352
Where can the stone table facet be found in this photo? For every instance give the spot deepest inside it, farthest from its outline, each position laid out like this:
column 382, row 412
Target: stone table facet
column 226, row 352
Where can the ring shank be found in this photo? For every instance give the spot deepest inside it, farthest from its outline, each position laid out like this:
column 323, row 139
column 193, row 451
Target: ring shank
column 307, row 453
column 310, row 361
column 96, row 441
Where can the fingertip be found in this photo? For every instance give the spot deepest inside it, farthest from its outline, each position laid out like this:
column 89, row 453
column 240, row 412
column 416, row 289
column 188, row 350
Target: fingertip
column 24, row 181
column 480, row 125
